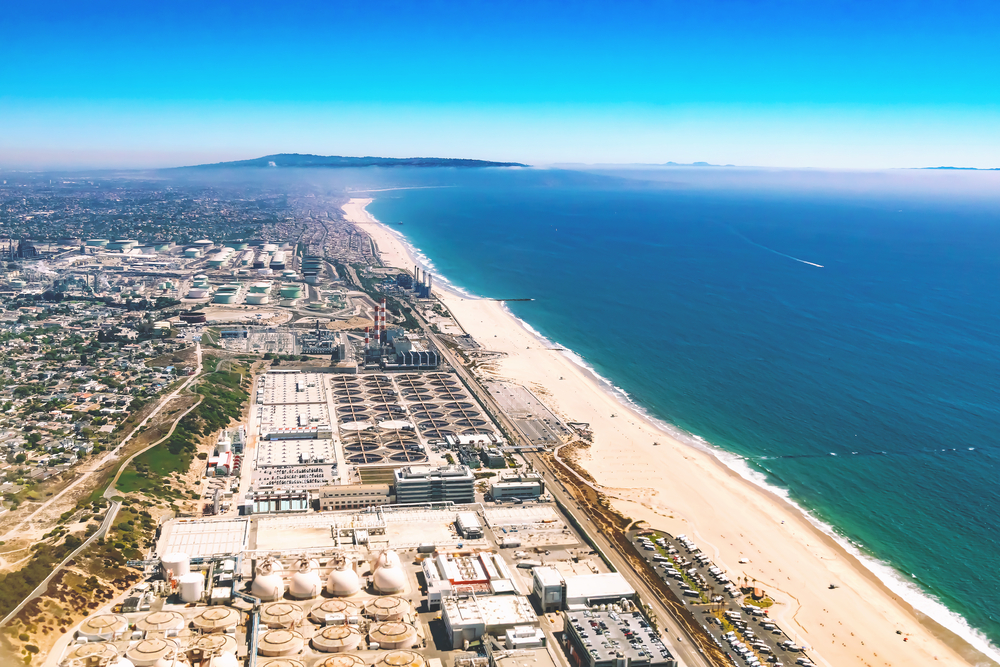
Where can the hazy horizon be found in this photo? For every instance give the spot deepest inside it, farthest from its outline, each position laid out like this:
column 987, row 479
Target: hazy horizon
column 816, row 85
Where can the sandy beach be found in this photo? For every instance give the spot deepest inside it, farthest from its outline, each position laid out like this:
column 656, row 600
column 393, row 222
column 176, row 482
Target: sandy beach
column 681, row 489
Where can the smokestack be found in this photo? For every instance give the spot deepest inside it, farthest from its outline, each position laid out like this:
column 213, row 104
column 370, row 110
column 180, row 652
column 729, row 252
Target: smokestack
column 430, row 280
column 366, row 338
column 383, row 336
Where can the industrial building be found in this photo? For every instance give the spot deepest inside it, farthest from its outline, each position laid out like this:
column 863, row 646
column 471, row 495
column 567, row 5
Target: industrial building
column 354, row 496
column 548, row 587
column 522, row 486
column 425, row 484
column 468, row 525
column 468, row 619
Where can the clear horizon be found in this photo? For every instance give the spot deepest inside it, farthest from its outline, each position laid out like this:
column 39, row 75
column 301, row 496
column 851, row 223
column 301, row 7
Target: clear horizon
column 772, row 84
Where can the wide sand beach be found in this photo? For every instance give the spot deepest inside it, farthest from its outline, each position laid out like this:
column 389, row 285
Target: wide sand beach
column 675, row 486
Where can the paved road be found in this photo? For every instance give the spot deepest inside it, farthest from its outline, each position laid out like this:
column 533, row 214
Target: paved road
column 683, row 649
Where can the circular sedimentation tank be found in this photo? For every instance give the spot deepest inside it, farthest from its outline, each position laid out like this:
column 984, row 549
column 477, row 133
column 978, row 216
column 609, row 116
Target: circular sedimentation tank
column 281, row 614
column 362, row 459
column 160, row 621
column 393, row 634
column 334, row 610
column 342, row 660
column 387, row 608
column 216, row 619
column 276, row 643
column 337, row 638
column 361, row 447
column 149, row 652
column 285, row 662
column 216, row 644
column 401, row 658
column 103, row 626
column 92, row 651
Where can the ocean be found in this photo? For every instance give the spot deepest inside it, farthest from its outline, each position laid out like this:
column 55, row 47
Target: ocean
column 831, row 335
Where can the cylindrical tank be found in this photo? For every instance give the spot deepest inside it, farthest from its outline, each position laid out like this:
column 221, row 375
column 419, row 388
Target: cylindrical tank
column 393, row 634
column 92, row 652
column 257, row 299
column 337, row 639
column 216, row 619
column 291, row 291
column 120, row 662
column 261, row 287
column 280, row 642
column 196, row 294
column 149, row 652
column 305, row 583
column 192, row 586
column 204, row 243
column 103, row 627
column 97, row 243
column 336, row 611
column 162, row 621
column 343, row 580
column 340, row 660
column 387, row 608
column 269, row 247
column 177, row 563
column 281, row 615
column 268, row 585
column 399, row 659
column 191, row 253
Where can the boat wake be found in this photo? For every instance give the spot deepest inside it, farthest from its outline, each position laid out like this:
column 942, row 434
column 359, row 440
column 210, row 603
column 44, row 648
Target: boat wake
column 776, row 252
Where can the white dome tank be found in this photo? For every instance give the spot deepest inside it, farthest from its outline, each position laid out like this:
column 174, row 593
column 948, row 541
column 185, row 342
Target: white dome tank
column 225, row 660
column 268, row 584
column 343, row 580
column 389, row 578
column 387, row 557
column 177, row 563
column 305, row 584
column 192, row 587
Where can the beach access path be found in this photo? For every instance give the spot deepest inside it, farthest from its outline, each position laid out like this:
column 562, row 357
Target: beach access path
column 650, row 475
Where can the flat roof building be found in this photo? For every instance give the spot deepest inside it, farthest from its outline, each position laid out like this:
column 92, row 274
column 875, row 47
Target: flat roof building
column 549, row 587
column 468, row 619
column 611, row 639
column 354, row 496
column 426, row 484
column 590, row 589
column 523, row 486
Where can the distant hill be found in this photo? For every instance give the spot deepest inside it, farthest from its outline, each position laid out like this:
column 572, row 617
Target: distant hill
column 964, row 168
column 337, row 161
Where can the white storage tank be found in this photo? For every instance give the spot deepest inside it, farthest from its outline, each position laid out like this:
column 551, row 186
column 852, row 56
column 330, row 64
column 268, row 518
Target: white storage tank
column 343, row 580
column 268, row 584
column 178, row 564
column 305, row 583
column 257, row 299
column 192, row 587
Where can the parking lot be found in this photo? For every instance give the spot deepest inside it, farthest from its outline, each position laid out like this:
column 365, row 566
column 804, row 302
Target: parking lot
column 744, row 632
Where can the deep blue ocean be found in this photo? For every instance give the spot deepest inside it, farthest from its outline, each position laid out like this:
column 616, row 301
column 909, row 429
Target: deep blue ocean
column 838, row 331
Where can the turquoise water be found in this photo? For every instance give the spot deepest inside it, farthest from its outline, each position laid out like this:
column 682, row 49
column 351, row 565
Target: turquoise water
column 838, row 332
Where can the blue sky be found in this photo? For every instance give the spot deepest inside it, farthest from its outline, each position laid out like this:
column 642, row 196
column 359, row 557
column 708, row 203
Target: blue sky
column 791, row 83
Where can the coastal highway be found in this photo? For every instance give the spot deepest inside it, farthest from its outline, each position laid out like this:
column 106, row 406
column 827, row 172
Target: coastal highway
column 676, row 639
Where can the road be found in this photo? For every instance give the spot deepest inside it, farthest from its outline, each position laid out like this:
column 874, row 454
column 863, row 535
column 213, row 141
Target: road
column 111, row 492
column 683, row 649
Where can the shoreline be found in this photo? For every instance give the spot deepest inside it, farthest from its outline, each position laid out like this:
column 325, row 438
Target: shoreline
column 671, row 494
